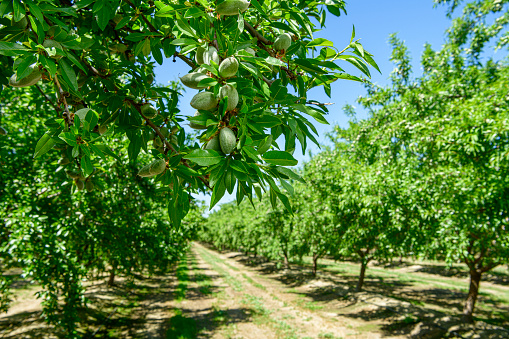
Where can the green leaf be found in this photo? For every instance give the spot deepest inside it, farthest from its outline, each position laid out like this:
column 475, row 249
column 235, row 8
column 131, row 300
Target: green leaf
column 273, row 61
column 11, row 48
column 280, row 158
column 320, row 42
column 106, row 150
column 68, row 74
column 286, row 202
column 240, row 25
column 45, row 143
column 91, row 120
column 230, row 181
column 184, row 42
column 204, row 157
column 267, row 142
column 318, row 115
column 290, row 174
column 134, row 146
column 184, row 27
column 218, row 192
column 69, row 138
column 86, row 165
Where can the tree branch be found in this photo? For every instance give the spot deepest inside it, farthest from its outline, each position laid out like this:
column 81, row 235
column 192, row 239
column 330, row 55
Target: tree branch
column 47, row 98
column 186, row 60
column 69, row 117
column 149, row 24
column 255, row 34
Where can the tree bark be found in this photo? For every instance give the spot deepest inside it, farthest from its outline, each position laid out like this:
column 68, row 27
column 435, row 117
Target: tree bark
column 364, row 264
column 473, row 292
column 111, row 280
column 315, row 264
column 286, row 261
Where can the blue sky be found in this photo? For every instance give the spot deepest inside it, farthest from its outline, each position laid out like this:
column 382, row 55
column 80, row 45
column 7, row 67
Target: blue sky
column 415, row 21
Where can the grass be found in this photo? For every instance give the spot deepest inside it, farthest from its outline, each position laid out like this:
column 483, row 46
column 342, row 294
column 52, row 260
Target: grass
column 254, row 283
column 495, row 294
column 328, row 336
column 202, row 280
column 183, row 278
column 215, row 263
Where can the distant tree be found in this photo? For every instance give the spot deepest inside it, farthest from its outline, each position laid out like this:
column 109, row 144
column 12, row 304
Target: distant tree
column 448, row 132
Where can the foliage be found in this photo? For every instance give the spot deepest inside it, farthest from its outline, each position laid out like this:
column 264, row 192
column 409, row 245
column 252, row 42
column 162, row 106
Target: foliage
column 427, row 173
column 60, row 236
column 99, row 55
column 89, row 118
column 445, row 134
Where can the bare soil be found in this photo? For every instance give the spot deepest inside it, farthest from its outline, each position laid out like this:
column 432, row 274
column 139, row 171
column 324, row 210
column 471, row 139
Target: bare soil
column 231, row 295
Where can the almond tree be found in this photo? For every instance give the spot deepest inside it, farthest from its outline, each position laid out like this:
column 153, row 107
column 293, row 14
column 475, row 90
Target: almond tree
column 92, row 63
column 450, row 128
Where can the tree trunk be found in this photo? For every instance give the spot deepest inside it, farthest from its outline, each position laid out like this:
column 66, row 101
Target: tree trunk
column 468, row 310
column 111, row 280
column 361, row 275
column 286, row 261
column 315, row 264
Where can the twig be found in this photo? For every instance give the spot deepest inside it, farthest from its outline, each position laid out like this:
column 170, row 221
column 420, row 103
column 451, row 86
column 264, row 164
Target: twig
column 149, row 24
column 267, row 81
column 186, row 60
column 155, row 128
column 68, row 115
column 168, row 145
column 47, row 98
column 155, row 30
column 95, row 71
column 255, row 34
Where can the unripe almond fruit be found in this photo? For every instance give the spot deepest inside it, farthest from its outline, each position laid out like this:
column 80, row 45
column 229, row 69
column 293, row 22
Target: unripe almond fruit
column 150, row 78
column 205, row 101
column 103, row 129
column 174, row 140
column 229, row 67
column 227, row 140
column 154, row 168
column 232, row 7
column 192, row 80
column 29, row 80
column 72, row 174
column 3, row 131
column 232, row 94
column 283, row 42
column 195, row 125
column 157, row 167
column 117, row 18
column 89, row 185
column 64, row 161
column 200, row 51
column 158, row 142
column 148, row 111
column 79, row 184
column 20, row 24
column 164, row 131
column 213, row 144
column 211, row 55
column 145, row 171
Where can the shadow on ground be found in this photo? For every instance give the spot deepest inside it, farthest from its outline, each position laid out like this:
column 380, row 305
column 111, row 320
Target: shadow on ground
column 408, row 308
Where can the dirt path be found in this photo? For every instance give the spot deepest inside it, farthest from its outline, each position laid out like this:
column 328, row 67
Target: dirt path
column 274, row 312
column 213, row 304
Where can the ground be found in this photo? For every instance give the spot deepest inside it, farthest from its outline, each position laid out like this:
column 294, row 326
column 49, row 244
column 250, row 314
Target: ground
column 231, row 295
